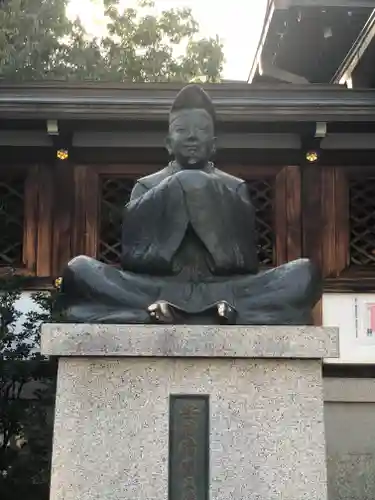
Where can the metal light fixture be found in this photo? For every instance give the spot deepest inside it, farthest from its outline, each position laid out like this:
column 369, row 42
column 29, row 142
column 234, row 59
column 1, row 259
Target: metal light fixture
column 62, row 154
column 312, row 156
column 52, row 127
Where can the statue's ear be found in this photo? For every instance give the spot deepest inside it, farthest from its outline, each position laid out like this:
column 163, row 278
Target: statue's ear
column 168, row 144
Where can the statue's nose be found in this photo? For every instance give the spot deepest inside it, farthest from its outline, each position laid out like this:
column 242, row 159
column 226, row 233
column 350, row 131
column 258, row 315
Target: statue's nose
column 192, row 133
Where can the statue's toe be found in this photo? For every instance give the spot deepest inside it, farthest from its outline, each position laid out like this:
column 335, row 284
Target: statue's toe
column 227, row 313
column 160, row 312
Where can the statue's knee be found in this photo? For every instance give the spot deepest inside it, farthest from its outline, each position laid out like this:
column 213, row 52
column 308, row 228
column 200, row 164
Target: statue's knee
column 308, row 269
column 306, row 276
column 304, row 266
column 80, row 265
column 300, row 274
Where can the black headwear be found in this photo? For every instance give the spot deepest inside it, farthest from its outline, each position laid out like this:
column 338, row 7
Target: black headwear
column 192, row 96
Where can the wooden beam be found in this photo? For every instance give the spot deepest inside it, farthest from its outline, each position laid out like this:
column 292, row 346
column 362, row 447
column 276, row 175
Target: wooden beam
column 226, row 141
column 272, row 71
column 357, row 51
column 157, row 140
column 152, row 102
column 266, row 26
column 135, row 171
column 343, row 142
column 25, row 138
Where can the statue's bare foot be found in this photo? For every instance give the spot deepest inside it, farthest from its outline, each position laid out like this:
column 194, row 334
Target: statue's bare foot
column 161, row 312
column 227, row 313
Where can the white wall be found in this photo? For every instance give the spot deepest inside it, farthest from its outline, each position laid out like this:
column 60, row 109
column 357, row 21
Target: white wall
column 349, row 415
column 354, row 314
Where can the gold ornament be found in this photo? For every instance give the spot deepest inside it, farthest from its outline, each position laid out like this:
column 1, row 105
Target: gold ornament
column 312, row 156
column 58, row 283
column 62, row 154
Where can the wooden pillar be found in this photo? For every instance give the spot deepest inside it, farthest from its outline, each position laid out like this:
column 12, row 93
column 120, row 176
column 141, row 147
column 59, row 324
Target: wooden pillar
column 63, row 196
column 37, row 244
column 312, row 222
column 288, row 215
column 335, row 236
column 86, row 211
column 325, row 221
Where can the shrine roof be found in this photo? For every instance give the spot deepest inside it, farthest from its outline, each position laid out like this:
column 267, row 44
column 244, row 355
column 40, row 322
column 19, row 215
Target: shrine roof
column 316, row 41
column 235, row 102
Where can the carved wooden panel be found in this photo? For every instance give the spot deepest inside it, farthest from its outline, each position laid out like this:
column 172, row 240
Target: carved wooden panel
column 362, row 220
column 115, row 193
column 262, row 195
column 12, row 195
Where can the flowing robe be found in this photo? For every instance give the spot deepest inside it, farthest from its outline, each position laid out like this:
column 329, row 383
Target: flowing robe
column 188, row 238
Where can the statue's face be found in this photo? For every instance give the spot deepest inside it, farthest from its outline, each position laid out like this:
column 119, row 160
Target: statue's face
column 191, row 137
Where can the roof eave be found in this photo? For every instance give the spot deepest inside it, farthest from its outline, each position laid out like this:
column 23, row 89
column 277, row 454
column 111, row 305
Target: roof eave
column 150, row 103
column 357, row 51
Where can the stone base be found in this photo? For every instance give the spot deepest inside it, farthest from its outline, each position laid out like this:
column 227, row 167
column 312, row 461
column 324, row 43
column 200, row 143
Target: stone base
column 111, row 439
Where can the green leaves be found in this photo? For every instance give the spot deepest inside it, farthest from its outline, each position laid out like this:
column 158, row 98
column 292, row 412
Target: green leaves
column 27, row 388
column 38, row 41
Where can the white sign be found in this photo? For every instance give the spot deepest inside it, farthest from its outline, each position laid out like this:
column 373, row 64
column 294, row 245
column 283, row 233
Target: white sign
column 354, row 314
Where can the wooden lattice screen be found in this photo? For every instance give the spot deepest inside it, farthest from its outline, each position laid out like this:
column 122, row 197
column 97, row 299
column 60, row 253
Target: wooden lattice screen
column 115, row 192
column 362, row 221
column 262, row 196
column 11, row 220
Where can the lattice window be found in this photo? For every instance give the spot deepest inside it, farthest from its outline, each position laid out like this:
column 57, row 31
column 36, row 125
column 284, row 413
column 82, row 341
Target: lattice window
column 11, row 220
column 115, row 194
column 362, row 221
column 262, row 196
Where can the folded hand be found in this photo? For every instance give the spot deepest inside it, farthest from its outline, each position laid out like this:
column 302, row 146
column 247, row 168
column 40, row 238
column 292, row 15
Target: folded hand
column 193, row 179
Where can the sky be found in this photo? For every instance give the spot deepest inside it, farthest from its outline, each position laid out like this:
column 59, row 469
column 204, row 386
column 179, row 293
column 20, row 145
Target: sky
column 237, row 22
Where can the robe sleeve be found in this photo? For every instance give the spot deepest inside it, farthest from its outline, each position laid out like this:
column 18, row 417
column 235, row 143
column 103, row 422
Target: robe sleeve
column 154, row 224
column 224, row 219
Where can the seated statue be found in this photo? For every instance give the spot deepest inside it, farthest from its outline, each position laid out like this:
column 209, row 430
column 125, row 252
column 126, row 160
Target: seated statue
column 189, row 251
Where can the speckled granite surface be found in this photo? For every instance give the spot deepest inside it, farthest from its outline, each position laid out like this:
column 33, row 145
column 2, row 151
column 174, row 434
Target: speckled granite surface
column 190, row 341
column 266, row 418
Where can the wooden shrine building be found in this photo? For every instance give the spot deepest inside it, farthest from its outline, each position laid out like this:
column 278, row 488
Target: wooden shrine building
column 70, row 155
column 305, row 144
column 301, row 132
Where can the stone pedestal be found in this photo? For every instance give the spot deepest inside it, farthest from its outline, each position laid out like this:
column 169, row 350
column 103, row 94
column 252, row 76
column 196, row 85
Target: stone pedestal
column 263, row 408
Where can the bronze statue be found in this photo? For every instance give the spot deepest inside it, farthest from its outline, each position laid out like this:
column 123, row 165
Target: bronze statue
column 189, row 246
